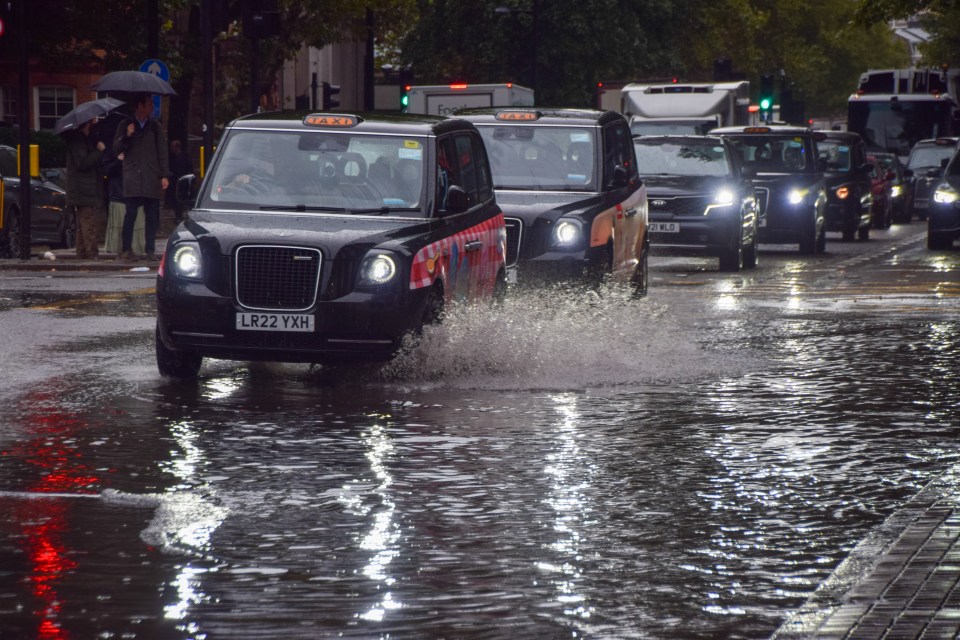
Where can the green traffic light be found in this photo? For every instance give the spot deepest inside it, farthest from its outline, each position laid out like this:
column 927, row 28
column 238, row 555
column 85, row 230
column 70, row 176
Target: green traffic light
column 766, row 103
column 404, row 100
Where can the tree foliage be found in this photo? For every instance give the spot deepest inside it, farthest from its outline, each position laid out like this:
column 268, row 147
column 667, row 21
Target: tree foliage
column 941, row 18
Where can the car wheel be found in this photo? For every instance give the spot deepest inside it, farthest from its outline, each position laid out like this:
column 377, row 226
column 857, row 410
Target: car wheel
column 822, row 241
column 808, row 242
column 939, row 241
column 500, row 289
column 10, row 235
column 731, row 259
column 597, row 272
column 67, row 233
column 863, row 233
column 752, row 255
column 641, row 276
column 176, row 364
column 433, row 312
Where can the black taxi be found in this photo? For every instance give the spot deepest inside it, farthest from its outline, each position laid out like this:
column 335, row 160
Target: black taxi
column 327, row 237
column 790, row 186
column 574, row 204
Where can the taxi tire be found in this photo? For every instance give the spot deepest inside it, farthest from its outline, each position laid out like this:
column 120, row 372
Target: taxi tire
column 433, row 311
column 752, row 255
column 176, row 364
column 641, row 276
column 10, row 235
column 500, row 288
column 939, row 241
column 809, row 239
column 732, row 259
column 863, row 233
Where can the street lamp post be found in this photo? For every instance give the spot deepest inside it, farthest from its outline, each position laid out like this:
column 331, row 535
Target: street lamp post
column 532, row 12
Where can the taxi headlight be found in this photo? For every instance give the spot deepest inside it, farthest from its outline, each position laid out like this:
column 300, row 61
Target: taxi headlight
column 566, row 233
column 379, row 268
column 945, row 195
column 723, row 198
column 186, row 260
column 896, row 191
column 796, row 196
column 843, row 192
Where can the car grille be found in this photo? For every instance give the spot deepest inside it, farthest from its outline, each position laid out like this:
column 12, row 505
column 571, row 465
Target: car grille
column 763, row 195
column 679, row 206
column 272, row 277
column 514, row 231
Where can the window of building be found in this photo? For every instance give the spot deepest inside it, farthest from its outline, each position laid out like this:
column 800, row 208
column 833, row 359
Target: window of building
column 8, row 104
column 52, row 104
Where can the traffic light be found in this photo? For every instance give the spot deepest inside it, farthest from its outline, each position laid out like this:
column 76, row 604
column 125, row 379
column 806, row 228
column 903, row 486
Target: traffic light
column 406, row 81
column 766, row 97
column 330, row 99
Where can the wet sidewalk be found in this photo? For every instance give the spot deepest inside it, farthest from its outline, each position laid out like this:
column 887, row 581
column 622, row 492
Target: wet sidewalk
column 902, row 582
column 45, row 259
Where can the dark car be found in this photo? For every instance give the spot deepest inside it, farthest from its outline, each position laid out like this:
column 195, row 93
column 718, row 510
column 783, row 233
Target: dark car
column 699, row 200
column 899, row 184
column 575, row 207
column 843, row 157
column 790, row 188
column 880, row 185
column 328, row 238
column 943, row 214
column 926, row 162
column 51, row 223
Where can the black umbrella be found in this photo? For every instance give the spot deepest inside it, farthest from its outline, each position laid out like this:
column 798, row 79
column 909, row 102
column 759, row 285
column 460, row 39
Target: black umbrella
column 134, row 82
column 86, row 112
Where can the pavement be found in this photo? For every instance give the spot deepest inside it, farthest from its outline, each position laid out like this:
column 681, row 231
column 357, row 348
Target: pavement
column 902, row 582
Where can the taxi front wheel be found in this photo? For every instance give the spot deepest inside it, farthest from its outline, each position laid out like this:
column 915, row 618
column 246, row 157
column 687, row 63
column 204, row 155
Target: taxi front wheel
column 176, row 364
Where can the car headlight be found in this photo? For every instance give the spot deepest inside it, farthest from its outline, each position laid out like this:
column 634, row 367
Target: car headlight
column 723, row 198
column 186, row 260
column 796, row 196
column 379, row 268
column 896, row 191
column 567, row 233
column 945, row 195
column 843, row 192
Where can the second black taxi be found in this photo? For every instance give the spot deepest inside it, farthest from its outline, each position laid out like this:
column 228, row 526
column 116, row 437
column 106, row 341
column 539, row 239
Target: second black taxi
column 574, row 204
column 322, row 237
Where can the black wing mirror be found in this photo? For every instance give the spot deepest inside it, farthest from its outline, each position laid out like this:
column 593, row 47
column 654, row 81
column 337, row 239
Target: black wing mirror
column 456, row 199
column 187, row 188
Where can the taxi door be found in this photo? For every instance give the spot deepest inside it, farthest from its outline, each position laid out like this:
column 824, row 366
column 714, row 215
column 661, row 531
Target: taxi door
column 625, row 195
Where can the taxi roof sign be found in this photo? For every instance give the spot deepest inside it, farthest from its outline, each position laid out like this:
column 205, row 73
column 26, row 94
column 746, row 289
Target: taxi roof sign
column 756, row 130
column 518, row 116
column 331, row 120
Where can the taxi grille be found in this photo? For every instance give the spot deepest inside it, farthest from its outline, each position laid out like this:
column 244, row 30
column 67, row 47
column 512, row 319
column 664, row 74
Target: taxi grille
column 272, row 277
column 514, row 231
column 681, row 206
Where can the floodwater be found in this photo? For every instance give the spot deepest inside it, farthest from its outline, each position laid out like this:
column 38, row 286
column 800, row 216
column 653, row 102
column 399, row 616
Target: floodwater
column 691, row 465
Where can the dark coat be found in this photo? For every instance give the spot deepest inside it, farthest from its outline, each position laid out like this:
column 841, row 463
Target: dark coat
column 84, row 187
column 145, row 159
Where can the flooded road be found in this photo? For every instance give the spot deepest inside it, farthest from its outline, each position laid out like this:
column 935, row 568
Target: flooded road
column 692, row 465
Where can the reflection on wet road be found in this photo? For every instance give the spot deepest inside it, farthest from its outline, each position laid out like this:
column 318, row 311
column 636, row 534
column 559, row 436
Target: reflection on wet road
column 692, row 465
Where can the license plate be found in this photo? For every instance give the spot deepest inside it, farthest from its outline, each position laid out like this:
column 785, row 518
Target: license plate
column 274, row 322
column 665, row 227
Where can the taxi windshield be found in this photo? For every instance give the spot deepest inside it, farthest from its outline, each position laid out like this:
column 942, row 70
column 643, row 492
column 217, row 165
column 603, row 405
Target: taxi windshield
column 541, row 158
column 335, row 172
column 681, row 159
column 774, row 153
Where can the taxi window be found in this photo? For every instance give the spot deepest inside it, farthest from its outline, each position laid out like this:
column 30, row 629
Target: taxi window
column 838, row 156
column 334, row 172
column 617, row 152
column 774, row 153
column 682, row 158
column 462, row 161
column 541, row 157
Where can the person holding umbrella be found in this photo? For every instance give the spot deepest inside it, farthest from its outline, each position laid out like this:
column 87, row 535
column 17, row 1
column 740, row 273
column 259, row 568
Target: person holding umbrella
column 84, row 191
column 146, row 174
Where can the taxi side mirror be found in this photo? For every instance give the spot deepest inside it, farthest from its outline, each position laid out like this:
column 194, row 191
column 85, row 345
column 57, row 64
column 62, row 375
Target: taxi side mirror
column 187, row 188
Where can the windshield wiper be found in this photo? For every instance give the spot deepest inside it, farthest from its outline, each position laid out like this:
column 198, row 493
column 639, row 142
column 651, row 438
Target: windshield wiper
column 300, row 207
column 383, row 210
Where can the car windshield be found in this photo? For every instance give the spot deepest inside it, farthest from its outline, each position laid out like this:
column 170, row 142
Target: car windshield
column 541, row 157
column 666, row 127
column 928, row 157
column 774, row 153
column 681, row 159
column 317, row 171
column 8, row 162
column 837, row 155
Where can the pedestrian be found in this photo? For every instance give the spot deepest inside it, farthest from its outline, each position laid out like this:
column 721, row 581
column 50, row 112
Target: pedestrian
column 146, row 175
column 111, row 167
column 180, row 165
column 84, row 190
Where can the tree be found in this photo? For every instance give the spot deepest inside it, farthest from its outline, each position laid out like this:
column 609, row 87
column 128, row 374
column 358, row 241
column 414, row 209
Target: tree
column 941, row 18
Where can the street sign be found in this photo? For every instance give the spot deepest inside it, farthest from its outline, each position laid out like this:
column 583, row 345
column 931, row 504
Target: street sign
column 156, row 68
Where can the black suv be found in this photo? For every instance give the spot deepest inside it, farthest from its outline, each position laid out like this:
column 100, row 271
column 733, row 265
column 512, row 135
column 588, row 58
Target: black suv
column 925, row 168
column 700, row 201
column 325, row 237
column 575, row 207
column 943, row 214
column 843, row 158
column 790, row 188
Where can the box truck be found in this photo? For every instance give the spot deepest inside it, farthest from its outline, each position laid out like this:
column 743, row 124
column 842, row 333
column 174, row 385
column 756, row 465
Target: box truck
column 442, row 100
column 685, row 108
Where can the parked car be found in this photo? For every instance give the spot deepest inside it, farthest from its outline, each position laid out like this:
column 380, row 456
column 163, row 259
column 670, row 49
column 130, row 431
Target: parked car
column 926, row 162
column 328, row 237
column 943, row 214
column 51, row 223
column 881, row 211
column 899, row 183
column 575, row 207
column 843, row 159
column 782, row 163
column 699, row 199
